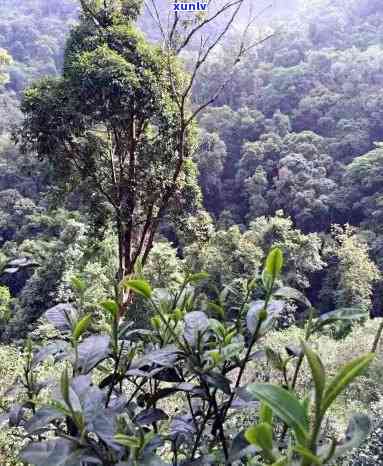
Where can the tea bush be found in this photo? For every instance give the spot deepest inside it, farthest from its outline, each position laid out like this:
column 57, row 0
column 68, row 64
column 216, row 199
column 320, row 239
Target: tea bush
column 172, row 395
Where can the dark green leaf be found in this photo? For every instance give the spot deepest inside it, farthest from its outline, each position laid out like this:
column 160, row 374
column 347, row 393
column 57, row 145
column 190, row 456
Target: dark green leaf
column 216, row 380
column 42, row 418
column 52, row 452
column 150, row 416
column 61, row 316
column 345, row 313
column 91, row 351
column 57, row 350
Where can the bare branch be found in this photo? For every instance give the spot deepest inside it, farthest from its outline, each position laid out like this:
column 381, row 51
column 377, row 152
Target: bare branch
column 207, row 21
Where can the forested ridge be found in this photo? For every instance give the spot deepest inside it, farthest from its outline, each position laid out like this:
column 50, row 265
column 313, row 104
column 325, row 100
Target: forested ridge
column 173, row 244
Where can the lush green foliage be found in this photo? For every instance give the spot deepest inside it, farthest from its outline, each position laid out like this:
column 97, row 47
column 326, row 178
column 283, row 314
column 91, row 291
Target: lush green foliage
column 108, row 406
column 288, row 155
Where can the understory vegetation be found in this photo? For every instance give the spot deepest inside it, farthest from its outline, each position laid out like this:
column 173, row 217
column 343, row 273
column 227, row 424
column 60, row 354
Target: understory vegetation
column 191, row 233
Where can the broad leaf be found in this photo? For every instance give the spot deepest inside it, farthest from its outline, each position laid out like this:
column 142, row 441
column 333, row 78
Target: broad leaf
column 344, row 313
column 216, row 380
column 285, row 405
column 274, row 309
column 165, row 357
column 57, row 350
column 150, row 416
column 91, row 351
column 196, row 323
column 52, row 452
column 182, row 428
column 61, row 316
column 42, row 418
column 240, row 448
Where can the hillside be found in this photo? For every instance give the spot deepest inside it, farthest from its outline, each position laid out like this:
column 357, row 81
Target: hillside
column 196, row 241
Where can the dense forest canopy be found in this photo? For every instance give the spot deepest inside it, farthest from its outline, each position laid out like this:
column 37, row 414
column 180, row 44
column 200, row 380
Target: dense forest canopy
column 114, row 165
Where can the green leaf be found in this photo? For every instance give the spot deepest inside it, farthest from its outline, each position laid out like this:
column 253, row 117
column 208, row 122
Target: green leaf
column 344, row 377
column 78, row 283
column 140, row 287
column 317, row 371
column 307, row 455
column 219, row 310
column 127, row 441
column 82, row 326
column 266, row 413
column 285, row 405
column 64, row 384
column 274, row 263
column 260, row 435
column 267, row 280
column 198, row 277
column 274, row 359
column 110, row 305
column 196, row 323
column 48, row 453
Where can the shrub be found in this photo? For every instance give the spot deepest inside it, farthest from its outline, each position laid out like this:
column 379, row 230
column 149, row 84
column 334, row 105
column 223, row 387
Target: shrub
column 111, row 404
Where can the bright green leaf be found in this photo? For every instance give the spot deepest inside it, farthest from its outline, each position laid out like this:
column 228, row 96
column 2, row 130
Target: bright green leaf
column 266, row 413
column 78, row 283
column 111, row 306
column 274, row 263
column 260, row 435
column 198, row 277
column 140, row 287
column 82, row 326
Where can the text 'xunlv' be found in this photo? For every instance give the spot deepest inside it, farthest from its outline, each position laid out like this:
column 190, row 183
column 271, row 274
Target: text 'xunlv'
column 196, row 6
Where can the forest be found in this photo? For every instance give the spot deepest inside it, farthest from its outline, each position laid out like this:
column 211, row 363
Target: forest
column 191, row 233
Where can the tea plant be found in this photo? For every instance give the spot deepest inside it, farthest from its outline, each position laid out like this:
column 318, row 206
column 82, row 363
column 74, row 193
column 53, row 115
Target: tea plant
column 112, row 404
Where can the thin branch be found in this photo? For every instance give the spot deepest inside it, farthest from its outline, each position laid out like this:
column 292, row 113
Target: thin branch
column 207, row 21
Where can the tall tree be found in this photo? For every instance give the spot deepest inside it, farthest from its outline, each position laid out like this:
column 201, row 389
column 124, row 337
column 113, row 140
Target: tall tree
column 119, row 121
column 109, row 125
